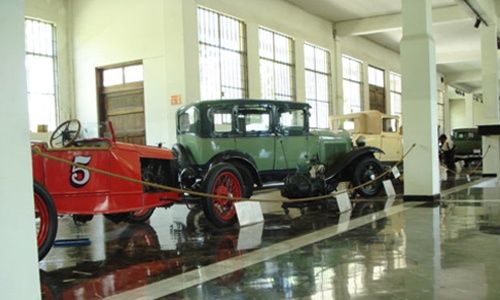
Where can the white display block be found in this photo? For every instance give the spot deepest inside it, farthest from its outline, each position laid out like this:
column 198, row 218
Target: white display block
column 343, row 202
column 389, row 188
column 344, row 220
column 467, row 177
column 389, row 203
column 395, row 172
column 248, row 212
column 250, row 236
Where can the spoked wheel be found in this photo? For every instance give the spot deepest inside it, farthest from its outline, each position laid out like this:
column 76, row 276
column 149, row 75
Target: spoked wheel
column 224, row 180
column 45, row 219
column 65, row 134
column 140, row 216
column 367, row 170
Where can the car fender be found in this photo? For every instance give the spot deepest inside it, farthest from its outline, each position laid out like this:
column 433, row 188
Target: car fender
column 234, row 155
column 345, row 162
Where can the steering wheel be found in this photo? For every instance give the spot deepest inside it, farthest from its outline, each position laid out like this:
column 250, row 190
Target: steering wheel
column 65, row 134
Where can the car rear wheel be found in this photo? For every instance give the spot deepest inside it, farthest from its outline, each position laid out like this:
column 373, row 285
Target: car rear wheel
column 222, row 180
column 140, row 216
column 45, row 219
column 365, row 171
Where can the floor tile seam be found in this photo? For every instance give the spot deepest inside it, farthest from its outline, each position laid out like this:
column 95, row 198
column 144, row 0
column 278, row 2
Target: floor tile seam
column 198, row 276
column 462, row 187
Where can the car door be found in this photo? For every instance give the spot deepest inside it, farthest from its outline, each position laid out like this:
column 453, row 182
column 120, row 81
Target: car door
column 255, row 136
column 292, row 138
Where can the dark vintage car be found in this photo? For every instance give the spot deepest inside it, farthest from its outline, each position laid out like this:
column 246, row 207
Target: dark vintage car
column 61, row 188
column 468, row 144
column 231, row 147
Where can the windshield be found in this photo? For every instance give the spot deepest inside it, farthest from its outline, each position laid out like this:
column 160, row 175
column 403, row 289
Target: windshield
column 93, row 130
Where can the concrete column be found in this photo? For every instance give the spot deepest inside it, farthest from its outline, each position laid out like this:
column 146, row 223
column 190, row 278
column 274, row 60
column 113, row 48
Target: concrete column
column 339, row 78
column 300, row 77
column 490, row 108
column 254, row 91
column 19, row 277
column 418, row 64
column 365, row 88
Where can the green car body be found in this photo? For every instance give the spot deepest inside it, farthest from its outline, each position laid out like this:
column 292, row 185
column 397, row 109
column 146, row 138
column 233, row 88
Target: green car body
column 468, row 144
column 261, row 142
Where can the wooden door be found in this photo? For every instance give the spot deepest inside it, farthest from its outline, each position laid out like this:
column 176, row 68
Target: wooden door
column 377, row 98
column 122, row 103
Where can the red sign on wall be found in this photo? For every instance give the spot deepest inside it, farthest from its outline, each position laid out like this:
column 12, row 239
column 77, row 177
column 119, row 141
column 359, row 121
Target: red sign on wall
column 176, row 100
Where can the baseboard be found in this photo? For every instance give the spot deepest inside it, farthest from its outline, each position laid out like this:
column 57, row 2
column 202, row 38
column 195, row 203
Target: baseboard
column 489, row 175
column 431, row 198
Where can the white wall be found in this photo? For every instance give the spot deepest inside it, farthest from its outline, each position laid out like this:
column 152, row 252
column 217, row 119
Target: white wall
column 18, row 259
column 57, row 12
column 371, row 54
column 163, row 33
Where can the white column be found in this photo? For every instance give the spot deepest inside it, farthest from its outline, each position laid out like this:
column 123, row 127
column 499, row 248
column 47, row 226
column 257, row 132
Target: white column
column 418, row 64
column 300, row 77
column 490, row 113
column 19, row 277
column 254, row 91
column 338, row 82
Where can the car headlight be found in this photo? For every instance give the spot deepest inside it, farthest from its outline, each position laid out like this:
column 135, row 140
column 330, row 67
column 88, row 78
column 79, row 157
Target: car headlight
column 361, row 141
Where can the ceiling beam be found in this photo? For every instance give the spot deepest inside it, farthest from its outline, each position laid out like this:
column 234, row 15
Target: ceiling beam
column 458, row 57
column 472, row 76
column 390, row 22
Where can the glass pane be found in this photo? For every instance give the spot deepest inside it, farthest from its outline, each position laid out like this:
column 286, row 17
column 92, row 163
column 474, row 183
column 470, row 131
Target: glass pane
column 310, row 85
column 210, row 85
column 208, row 27
column 112, row 77
column 257, row 122
column 313, row 119
column 266, row 47
column 42, row 110
column 322, row 93
column 222, row 122
column 134, row 73
column 231, row 64
column 321, row 60
column 309, row 57
column 40, row 74
column 230, row 33
column 267, row 79
column 283, row 85
column 323, row 112
column 282, row 48
column 293, row 119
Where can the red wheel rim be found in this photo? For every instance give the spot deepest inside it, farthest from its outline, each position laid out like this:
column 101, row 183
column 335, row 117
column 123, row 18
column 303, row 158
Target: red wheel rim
column 42, row 214
column 141, row 212
column 226, row 184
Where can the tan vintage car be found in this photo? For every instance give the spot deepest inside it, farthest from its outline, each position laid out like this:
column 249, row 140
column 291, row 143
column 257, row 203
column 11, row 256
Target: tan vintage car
column 373, row 128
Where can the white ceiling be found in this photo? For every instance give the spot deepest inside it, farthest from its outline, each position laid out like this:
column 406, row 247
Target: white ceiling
column 458, row 44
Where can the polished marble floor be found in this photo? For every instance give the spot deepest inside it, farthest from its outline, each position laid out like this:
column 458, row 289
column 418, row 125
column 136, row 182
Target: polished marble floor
column 382, row 249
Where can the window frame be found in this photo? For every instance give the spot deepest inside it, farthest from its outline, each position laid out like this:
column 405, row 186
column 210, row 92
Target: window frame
column 243, row 55
column 316, row 72
column 55, row 73
column 291, row 65
column 395, row 91
column 351, row 80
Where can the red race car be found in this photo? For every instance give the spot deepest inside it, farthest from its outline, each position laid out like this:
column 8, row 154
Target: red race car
column 62, row 188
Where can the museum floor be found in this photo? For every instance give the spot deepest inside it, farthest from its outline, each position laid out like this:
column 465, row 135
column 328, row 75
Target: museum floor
column 383, row 249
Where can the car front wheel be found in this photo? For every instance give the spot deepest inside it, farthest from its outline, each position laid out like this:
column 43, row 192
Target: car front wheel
column 222, row 180
column 367, row 170
column 45, row 219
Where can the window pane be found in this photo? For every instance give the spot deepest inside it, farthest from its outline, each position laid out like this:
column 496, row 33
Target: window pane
column 309, row 57
column 267, row 79
column 266, row 44
column 134, row 74
column 41, row 73
column 112, row 77
column 375, row 76
column 222, row 56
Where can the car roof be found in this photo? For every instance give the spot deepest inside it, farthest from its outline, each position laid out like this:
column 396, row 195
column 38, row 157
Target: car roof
column 209, row 103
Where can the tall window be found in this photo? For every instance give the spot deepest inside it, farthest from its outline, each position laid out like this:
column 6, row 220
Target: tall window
column 440, row 105
column 222, row 47
column 41, row 59
column 375, row 76
column 277, row 65
column 352, row 83
column 318, row 77
column 395, row 86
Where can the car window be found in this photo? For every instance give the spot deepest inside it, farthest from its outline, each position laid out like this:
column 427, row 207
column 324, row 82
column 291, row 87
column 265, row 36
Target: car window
column 189, row 121
column 253, row 120
column 346, row 124
column 222, row 121
column 389, row 125
column 292, row 121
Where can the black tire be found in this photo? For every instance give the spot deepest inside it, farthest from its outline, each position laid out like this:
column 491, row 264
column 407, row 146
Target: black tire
column 222, row 179
column 140, row 216
column 46, row 211
column 117, row 217
column 367, row 169
column 247, row 177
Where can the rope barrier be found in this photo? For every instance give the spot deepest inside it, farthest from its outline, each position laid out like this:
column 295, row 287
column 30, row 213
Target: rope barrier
column 474, row 169
column 39, row 152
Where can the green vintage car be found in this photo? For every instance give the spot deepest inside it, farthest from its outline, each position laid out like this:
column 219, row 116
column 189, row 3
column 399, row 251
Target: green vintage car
column 232, row 147
column 468, row 144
